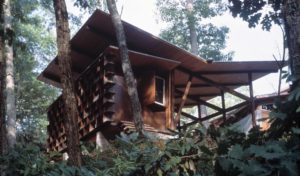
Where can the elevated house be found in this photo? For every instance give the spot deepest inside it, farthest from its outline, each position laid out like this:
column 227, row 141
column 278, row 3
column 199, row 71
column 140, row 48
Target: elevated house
column 168, row 79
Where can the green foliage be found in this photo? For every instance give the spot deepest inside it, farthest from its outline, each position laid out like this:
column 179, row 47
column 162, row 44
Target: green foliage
column 24, row 160
column 272, row 152
column 211, row 39
column 34, row 46
column 132, row 155
column 196, row 151
column 258, row 12
column 92, row 5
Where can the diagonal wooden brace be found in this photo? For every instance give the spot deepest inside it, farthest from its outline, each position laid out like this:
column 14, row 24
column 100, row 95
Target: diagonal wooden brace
column 214, row 84
column 183, row 99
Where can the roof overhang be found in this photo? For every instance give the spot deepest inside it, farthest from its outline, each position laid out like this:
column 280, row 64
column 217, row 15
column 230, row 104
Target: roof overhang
column 226, row 74
column 98, row 35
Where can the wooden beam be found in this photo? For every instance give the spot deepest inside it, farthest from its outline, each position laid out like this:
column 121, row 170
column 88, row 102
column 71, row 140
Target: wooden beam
column 216, row 114
column 252, row 100
column 170, row 101
column 183, row 99
column 214, row 84
column 201, row 120
column 202, row 102
column 223, row 105
column 189, row 116
column 190, row 104
column 199, row 110
column 199, row 85
column 52, row 77
column 201, row 95
column 236, row 71
column 198, row 100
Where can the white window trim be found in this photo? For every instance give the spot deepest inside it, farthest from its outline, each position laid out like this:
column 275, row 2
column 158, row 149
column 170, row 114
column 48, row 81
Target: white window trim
column 164, row 90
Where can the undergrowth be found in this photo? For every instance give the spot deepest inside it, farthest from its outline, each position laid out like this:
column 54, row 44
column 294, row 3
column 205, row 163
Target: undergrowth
column 196, row 151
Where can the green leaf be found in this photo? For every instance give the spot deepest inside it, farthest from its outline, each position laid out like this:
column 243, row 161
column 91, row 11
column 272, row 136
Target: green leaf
column 255, row 168
column 298, row 109
column 225, row 163
column 296, row 130
column 236, row 152
column 173, row 161
column 206, row 150
column 268, row 151
column 278, row 115
column 290, row 168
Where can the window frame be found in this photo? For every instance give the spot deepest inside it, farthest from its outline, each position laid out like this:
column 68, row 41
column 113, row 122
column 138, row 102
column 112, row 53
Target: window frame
column 163, row 103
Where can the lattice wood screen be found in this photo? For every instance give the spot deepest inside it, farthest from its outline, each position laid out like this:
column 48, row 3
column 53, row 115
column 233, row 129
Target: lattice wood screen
column 95, row 101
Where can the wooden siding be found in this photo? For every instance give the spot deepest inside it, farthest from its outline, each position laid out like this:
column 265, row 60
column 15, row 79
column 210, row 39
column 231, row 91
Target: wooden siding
column 102, row 99
column 95, row 99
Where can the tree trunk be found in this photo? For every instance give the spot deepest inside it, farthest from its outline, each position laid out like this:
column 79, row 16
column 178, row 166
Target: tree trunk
column 68, row 93
column 10, row 99
column 2, row 102
column 126, row 67
column 291, row 15
column 101, row 5
column 192, row 28
column 2, row 117
column 194, row 39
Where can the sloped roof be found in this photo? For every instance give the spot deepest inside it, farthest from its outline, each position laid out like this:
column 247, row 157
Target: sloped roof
column 97, row 34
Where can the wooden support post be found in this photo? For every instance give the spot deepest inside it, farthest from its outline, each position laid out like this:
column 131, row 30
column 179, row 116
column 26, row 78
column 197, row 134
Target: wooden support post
column 170, row 101
column 183, row 99
column 252, row 99
column 223, row 105
column 199, row 110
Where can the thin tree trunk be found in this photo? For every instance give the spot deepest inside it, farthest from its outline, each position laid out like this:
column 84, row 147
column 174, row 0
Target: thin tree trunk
column 192, row 28
column 291, row 15
column 64, row 61
column 10, row 99
column 2, row 117
column 101, row 5
column 126, row 67
column 193, row 39
column 2, row 102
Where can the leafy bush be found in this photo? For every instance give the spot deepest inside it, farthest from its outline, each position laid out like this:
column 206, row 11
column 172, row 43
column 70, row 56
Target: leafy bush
column 196, row 151
column 24, row 160
column 272, row 152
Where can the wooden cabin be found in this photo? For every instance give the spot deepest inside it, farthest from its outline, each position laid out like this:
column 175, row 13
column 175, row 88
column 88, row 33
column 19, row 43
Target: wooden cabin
column 168, row 79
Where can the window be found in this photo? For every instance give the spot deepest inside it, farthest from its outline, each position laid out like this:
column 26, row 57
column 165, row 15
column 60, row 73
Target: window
column 159, row 90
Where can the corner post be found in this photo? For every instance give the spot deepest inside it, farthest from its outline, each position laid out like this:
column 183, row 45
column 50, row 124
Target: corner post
column 252, row 99
column 223, row 106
